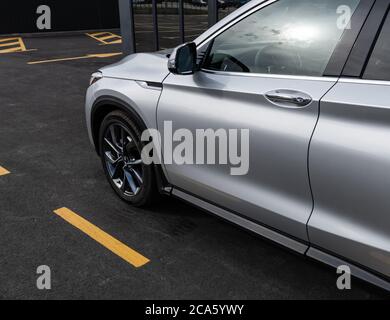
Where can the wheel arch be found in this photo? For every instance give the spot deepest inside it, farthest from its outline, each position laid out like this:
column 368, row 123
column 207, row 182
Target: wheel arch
column 101, row 108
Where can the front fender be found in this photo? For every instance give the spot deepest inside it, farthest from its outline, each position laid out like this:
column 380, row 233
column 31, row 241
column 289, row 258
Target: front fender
column 136, row 99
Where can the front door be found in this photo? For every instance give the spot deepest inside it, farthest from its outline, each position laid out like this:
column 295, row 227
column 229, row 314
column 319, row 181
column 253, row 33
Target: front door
column 263, row 73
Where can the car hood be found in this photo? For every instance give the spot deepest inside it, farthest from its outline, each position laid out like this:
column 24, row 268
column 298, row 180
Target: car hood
column 140, row 66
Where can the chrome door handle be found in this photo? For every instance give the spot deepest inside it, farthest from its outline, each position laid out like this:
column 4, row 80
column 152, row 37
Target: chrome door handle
column 289, row 98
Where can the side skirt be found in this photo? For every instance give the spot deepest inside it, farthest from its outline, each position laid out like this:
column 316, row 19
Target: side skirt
column 355, row 271
column 254, row 227
column 283, row 240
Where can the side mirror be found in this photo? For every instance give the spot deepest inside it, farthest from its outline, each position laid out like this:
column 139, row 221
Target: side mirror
column 183, row 59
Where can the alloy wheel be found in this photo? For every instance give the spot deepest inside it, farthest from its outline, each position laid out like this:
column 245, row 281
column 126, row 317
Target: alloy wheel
column 123, row 159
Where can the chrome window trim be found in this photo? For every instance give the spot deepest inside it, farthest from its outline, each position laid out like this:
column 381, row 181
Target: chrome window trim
column 273, row 76
column 365, row 81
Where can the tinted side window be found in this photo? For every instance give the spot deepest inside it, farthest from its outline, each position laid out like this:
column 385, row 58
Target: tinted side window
column 378, row 67
column 289, row 37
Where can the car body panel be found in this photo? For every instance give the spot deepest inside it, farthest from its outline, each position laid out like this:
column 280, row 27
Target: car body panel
column 350, row 174
column 141, row 66
column 276, row 191
column 132, row 94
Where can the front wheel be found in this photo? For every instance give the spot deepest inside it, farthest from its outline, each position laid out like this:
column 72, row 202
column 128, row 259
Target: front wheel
column 120, row 151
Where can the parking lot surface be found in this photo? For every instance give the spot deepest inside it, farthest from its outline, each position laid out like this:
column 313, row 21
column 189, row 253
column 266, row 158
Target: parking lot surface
column 47, row 163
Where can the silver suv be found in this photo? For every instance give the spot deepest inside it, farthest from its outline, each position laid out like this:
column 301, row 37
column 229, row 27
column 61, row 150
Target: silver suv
column 310, row 79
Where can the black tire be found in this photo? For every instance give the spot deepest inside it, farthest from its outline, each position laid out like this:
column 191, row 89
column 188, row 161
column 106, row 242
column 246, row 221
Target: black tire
column 144, row 194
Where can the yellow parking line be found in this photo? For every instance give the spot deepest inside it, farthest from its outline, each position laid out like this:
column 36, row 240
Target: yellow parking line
column 112, row 244
column 7, row 44
column 14, row 44
column 8, row 39
column 22, row 44
column 102, row 37
column 116, row 41
column 3, row 171
column 97, row 33
column 16, row 49
column 108, row 37
column 88, row 56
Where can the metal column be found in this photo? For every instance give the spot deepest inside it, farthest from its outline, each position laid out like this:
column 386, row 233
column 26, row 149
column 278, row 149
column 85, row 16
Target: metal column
column 155, row 25
column 181, row 21
column 212, row 12
column 126, row 15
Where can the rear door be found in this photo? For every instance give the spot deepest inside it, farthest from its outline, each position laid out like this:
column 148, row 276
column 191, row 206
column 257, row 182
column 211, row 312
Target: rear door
column 256, row 73
column 350, row 154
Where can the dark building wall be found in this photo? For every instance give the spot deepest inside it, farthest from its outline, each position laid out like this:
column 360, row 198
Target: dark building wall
column 19, row 16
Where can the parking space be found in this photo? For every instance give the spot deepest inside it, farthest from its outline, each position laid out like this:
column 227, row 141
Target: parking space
column 58, row 210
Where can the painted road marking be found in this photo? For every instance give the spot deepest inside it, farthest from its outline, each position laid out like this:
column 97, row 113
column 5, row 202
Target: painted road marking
column 105, row 37
column 112, row 244
column 3, row 171
column 8, row 45
column 88, row 56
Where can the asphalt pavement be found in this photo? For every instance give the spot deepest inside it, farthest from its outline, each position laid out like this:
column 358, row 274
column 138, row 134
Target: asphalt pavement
column 51, row 164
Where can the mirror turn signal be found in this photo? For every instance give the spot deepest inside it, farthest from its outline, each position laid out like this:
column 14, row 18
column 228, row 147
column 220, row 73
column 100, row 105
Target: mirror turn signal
column 95, row 77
